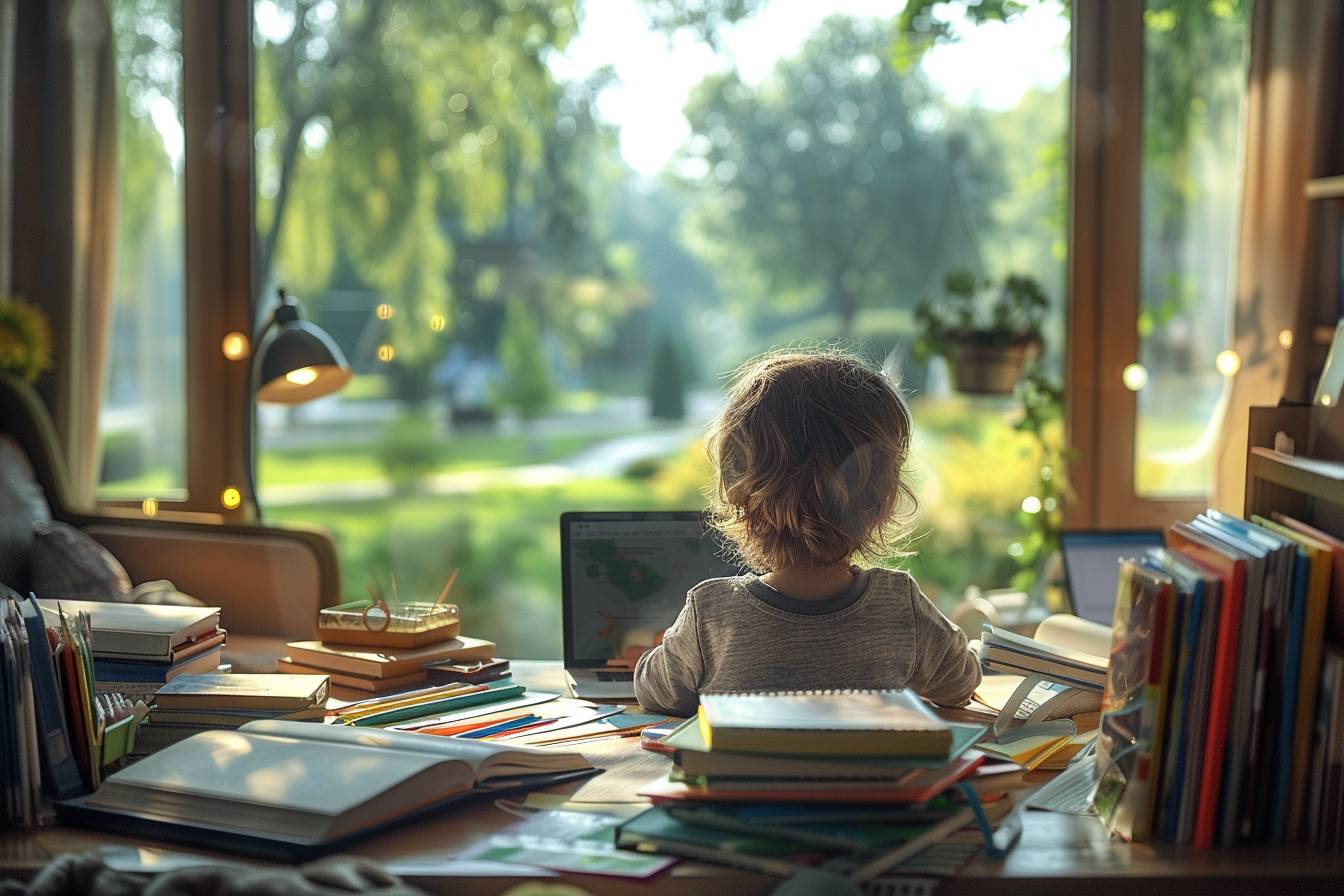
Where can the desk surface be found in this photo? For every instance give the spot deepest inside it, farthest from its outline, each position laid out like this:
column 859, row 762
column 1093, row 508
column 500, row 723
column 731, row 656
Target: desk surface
column 1057, row 854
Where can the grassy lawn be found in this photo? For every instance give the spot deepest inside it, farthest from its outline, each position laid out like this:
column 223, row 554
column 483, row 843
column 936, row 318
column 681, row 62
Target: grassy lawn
column 341, row 462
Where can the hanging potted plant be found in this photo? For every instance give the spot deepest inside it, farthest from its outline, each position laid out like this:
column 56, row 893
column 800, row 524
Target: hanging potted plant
column 987, row 335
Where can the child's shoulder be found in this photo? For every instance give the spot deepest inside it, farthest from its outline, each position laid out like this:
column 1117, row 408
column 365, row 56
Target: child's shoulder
column 712, row 588
column 892, row 582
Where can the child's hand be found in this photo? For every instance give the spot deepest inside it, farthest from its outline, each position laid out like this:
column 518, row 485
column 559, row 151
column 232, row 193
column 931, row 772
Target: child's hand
column 631, row 654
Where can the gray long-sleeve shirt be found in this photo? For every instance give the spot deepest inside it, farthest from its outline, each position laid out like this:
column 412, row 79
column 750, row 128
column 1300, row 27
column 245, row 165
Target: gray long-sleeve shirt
column 739, row 635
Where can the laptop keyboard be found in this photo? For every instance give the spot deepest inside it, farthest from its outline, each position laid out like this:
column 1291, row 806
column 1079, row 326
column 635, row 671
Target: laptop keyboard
column 616, row 675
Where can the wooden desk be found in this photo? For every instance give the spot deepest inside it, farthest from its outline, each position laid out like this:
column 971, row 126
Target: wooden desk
column 1057, row 854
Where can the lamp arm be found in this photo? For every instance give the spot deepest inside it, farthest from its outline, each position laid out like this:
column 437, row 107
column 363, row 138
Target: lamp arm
column 250, row 416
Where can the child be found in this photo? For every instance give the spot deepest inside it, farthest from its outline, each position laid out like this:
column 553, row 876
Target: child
column 808, row 454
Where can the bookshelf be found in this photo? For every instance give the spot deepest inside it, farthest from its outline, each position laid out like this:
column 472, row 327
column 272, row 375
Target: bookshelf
column 1309, row 484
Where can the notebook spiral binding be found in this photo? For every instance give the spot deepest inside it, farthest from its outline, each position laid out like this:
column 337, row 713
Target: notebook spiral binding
column 901, row 886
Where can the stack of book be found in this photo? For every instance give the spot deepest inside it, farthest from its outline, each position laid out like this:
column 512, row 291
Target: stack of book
column 833, row 776
column 1057, row 716
column 373, row 648
column 137, row 648
column 190, row 704
column 1219, row 727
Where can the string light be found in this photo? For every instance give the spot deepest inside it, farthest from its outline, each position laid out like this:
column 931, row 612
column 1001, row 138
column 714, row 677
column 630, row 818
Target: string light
column 386, row 353
column 234, row 345
column 1286, row 338
column 1031, row 504
column 150, row 507
column 1134, row 376
column 1228, row 362
column 437, row 323
column 384, row 311
column 231, row 498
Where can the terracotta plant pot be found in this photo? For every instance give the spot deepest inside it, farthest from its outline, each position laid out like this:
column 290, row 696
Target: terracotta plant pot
column 988, row 369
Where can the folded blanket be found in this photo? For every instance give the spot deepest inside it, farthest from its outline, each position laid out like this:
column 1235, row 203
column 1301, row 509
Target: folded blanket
column 85, row 874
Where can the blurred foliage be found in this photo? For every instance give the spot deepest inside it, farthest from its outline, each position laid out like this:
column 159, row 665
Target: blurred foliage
column 525, row 385
column 973, row 312
column 25, row 339
column 837, row 167
column 408, row 451
column 667, row 381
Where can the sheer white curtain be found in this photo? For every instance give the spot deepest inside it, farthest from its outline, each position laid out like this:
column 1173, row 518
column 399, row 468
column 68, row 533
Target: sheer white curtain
column 1293, row 99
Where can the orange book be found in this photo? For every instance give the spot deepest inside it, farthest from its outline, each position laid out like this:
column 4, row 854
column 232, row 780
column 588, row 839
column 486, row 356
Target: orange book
column 1232, row 572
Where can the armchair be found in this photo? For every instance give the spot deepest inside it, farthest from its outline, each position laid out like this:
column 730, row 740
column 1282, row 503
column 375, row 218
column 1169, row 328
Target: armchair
column 268, row 580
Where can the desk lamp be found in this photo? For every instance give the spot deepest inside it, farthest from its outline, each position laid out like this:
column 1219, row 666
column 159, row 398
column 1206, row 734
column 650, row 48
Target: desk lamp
column 299, row 363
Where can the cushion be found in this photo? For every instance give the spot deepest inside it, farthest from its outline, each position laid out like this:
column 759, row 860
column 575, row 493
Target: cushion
column 69, row 564
column 21, row 504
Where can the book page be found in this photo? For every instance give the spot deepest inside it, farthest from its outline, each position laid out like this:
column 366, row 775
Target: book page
column 1075, row 633
column 484, row 758
column 280, row 772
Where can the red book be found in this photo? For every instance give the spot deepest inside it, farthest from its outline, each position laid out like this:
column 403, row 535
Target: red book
column 1232, row 572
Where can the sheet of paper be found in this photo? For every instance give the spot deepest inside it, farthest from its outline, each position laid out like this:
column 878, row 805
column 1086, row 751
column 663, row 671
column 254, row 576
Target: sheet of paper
column 581, row 842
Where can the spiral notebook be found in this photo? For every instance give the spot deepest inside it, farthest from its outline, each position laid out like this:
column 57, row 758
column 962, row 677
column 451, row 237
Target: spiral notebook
column 892, row 723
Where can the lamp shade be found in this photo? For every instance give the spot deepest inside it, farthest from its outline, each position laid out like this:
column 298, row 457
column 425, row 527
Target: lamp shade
column 299, row 363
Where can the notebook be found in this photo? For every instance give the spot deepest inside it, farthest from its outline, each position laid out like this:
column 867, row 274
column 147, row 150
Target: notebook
column 374, row 663
column 292, row 788
column 283, row 693
column 824, row 723
column 138, row 631
column 694, row 757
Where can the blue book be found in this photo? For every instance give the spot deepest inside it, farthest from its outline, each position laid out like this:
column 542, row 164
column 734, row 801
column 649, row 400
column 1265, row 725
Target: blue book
column 1292, row 661
column 139, row 672
column 60, row 775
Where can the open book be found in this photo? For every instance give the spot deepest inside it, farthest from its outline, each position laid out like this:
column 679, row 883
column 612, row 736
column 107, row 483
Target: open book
column 310, row 785
column 1066, row 649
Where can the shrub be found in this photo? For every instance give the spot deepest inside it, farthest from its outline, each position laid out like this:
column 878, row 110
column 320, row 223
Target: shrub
column 408, row 452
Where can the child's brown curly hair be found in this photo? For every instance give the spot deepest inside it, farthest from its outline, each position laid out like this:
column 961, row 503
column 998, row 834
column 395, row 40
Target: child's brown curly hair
column 808, row 454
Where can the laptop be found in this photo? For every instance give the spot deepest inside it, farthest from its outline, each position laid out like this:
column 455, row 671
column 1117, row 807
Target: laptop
column 1092, row 567
column 625, row 576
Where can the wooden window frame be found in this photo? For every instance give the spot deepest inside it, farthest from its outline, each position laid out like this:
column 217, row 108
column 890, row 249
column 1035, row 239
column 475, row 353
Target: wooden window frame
column 1106, row 157
column 218, row 251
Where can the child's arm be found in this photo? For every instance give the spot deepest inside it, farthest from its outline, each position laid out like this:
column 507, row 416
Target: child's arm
column 667, row 678
column 945, row 669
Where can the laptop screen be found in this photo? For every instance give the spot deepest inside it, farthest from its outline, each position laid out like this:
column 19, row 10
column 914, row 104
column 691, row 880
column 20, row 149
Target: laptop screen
column 626, row 576
column 1092, row 567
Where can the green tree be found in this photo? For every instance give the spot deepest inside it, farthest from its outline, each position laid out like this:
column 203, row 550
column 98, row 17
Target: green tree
column 667, row 381
column 389, row 133
column 834, row 184
column 525, row 385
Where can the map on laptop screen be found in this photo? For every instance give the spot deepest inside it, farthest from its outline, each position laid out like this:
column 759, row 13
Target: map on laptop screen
column 629, row 578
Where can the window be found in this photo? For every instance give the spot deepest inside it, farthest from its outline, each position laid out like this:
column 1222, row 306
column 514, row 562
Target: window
column 1194, row 85
column 542, row 235
column 143, row 417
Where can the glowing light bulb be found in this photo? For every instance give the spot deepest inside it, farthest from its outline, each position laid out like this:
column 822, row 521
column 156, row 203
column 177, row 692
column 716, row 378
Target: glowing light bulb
column 384, row 311
column 1134, row 376
column 1327, row 400
column 386, row 353
column 231, row 498
column 301, row 377
column 1286, row 338
column 235, row 346
column 1031, row 504
column 150, row 507
column 1228, row 362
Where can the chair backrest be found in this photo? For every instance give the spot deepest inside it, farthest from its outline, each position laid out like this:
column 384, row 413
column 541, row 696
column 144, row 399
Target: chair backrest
column 24, row 418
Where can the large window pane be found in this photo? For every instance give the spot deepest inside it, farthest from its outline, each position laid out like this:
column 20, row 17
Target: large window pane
column 143, row 419
column 1194, row 85
column 542, row 232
